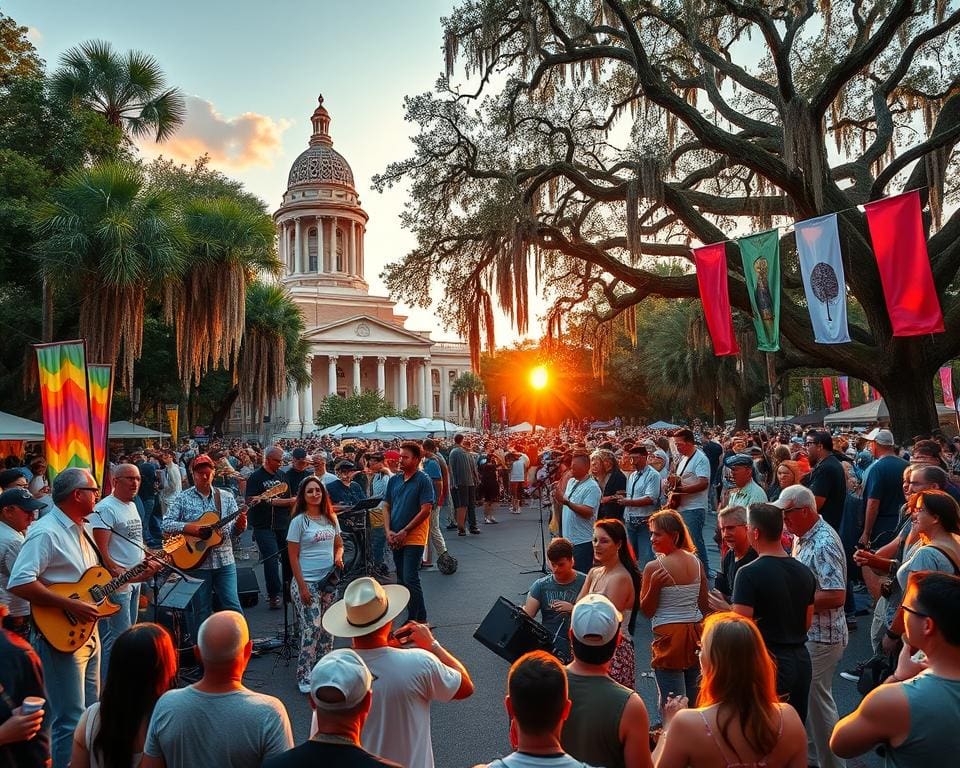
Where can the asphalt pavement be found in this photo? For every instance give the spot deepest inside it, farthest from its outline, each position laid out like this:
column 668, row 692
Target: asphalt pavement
column 491, row 564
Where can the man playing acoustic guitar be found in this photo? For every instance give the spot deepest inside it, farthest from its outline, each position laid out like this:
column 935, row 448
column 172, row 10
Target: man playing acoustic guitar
column 218, row 569
column 58, row 549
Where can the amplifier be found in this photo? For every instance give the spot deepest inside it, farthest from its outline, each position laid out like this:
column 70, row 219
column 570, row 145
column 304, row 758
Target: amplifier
column 248, row 588
column 510, row 633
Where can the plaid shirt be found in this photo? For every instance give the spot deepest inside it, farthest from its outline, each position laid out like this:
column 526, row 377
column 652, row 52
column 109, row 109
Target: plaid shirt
column 188, row 507
column 821, row 551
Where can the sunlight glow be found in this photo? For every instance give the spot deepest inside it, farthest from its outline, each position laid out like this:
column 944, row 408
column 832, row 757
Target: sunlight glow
column 539, row 377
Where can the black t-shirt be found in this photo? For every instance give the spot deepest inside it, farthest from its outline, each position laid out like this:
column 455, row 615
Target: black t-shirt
column 713, row 452
column 20, row 676
column 828, row 480
column 263, row 515
column 312, row 754
column 148, row 480
column 779, row 589
column 616, row 482
column 345, row 494
column 293, row 478
column 727, row 576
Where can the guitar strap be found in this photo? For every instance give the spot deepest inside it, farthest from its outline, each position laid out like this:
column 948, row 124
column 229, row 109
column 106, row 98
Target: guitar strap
column 92, row 543
column 216, row 501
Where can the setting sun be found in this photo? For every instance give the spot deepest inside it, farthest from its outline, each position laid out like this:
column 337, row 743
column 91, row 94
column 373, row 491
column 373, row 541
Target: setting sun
column 538, row 377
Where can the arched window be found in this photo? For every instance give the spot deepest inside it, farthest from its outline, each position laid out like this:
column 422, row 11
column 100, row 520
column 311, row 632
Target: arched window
column 340, row 258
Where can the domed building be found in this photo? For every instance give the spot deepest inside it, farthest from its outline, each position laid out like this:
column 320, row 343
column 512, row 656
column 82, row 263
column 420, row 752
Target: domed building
column 357, row 341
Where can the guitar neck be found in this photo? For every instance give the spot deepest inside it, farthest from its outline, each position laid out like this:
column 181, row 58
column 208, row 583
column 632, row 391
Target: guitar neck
column 219, row 525
column 114, row 584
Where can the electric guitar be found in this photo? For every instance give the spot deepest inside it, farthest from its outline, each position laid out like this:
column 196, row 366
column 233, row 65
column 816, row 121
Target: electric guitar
column 67, row 632
column 193, row 550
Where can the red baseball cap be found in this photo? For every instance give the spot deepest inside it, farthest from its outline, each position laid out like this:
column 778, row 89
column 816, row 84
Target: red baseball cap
column 203, row 459
column 391, row 454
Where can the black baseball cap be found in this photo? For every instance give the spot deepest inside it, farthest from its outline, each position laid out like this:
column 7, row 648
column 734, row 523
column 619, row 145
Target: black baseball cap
column 299, row 454
column 345, row 466
column 20, row 497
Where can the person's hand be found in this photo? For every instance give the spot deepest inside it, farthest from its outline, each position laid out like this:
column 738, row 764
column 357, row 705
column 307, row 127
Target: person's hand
column 417, row 634
column 888, row 644
column 338, row 562
column 399, row 539
column 561, row 606
column 660, row 578
column 864, row 541
column 116, row 570
column 241, row 523
column 305, row 597
column 621, row 500
column 81, row 610
column 717, row 601
column 671, row 706
column 20, row 727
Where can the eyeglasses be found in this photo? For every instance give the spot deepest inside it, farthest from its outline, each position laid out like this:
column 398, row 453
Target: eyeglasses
column 908, row 609
column 94, row 491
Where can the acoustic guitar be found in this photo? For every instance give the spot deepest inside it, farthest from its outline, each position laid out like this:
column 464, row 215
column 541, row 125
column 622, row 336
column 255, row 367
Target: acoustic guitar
column 193, row 550
column 67, row 632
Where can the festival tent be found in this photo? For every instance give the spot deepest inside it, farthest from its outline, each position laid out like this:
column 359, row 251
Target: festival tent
column 440, row 425
column 15, row 428
column 662, row 425
column 386, row 427
column 810, row 419
column 125, row 430
column 876, row 412
column 523, row 426
column 336, row 429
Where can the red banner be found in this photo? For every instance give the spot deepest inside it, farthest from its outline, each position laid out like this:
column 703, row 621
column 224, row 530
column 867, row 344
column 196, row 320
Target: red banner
column 899, row 244
column 946, row 383
column 711, row 262
column 843, row 384
column 828, row 391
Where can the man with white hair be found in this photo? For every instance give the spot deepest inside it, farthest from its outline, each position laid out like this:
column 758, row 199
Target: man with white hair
column 818, row 546
column 217, row 722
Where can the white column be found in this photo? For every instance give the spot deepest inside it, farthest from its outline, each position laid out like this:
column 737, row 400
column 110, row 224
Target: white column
column 297, row 247
column 351, row 246
column 444, row 392
column 381, row 375
column 320, row 266
column 356, row 372
column 422, row 393
column 427, row 389
column 333, row 243
column 402, row 390
column 293, row 411
column 360, row 249
column 282, row 246
column 307, row 400
column 332, row 374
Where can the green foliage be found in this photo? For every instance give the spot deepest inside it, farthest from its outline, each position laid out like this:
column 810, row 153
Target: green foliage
column 199, row 181
column 18, row 57
column 354, row 409
column 410, row 412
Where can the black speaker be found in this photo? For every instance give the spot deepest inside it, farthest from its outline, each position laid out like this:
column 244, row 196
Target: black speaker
column 248, row 588
column 510, row 633
column 178, row 609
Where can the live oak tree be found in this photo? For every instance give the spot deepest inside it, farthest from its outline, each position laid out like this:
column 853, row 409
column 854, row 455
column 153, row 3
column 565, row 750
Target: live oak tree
column 586, row 139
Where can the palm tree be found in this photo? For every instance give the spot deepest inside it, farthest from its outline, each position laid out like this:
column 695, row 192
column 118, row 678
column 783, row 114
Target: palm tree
column 228, row 245
column 468, row 388
column 129, row 91
column 273, row 353
column 103, row 231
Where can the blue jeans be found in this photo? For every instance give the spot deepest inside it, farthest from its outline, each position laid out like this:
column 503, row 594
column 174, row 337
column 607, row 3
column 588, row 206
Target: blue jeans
column 152, row 533
column 407, row 561
column 113, row 626
column 268, row 545
column 223, row 581
column 583, row 556
column 695, row 519
column 638, row 534
column 378, row 545
column 679, row 682
column 73, row 680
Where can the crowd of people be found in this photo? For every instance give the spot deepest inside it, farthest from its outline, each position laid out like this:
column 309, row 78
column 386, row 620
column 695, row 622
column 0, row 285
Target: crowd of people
column 812, row 527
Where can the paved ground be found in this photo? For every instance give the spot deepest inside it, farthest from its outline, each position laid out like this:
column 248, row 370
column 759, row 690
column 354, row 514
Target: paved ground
column 475, row 730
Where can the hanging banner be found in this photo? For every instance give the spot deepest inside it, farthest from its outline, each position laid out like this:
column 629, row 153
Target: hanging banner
column 711, row 263
column 100, row 389
column 761, row 271
column 503, row 410
column 821, row 268
column 843, row 385
column 66, row 406
column 807, row 394
column 173, row 418
column 946, row 383
column 485, row 417
column 828, row 391
column 874, row 392
column 900, row 247
column 866, row 390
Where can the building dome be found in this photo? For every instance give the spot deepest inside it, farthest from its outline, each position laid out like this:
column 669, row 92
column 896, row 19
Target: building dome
column 320, row 163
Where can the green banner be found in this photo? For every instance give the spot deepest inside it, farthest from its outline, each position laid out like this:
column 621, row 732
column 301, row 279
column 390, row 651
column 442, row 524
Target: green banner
column 761, row 269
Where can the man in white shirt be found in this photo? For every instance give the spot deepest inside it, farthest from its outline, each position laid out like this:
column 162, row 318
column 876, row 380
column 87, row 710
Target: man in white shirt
column 641, row 500
column 745, row 489
column 120, row 551
column 406, row 679
column 580, row 500
column 58, row 549
column 691, row 481
column 18, row 509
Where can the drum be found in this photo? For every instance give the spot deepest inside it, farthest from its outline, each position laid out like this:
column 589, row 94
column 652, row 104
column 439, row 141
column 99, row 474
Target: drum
column 510, row 633
column 352, row 552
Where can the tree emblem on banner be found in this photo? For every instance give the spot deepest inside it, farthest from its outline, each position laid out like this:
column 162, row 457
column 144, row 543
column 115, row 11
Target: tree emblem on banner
column 826, row 287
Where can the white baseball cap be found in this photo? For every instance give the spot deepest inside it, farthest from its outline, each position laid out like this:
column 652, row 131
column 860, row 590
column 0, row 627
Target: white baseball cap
column 880, row 436
column 595, row 620
column 344, row 671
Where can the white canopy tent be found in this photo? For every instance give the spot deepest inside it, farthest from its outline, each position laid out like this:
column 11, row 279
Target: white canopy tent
column 386, row 427
column 876, row 412
column 662, row 425
column 125, row 430
column 524, row 426
column 440, row 426
column 17, row 428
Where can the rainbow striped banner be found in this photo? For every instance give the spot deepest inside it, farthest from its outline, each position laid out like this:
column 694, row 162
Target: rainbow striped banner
column 66, row 407
column 100, row 387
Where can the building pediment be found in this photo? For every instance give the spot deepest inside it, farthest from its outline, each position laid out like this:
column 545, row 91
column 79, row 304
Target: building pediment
column 362, row 329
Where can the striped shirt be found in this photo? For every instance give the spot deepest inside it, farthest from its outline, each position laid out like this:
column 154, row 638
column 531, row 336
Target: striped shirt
column 189, row 507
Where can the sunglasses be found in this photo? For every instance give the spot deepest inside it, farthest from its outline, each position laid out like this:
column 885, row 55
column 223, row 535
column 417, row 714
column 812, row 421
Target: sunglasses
column 908, row 609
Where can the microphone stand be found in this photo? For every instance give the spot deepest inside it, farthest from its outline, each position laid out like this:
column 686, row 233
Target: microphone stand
column 539, row 486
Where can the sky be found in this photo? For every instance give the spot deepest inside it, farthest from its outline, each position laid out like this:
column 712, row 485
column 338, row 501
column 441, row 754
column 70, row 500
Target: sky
column 251, row 73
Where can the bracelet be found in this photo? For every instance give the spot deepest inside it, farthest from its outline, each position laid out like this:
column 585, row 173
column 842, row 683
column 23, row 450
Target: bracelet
column 892, row 636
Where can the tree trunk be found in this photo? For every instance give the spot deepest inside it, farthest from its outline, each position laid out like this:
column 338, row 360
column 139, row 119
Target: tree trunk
column 742, row 404
column 221, row 411
column 718, row 415
column 909, row 398
column 46, row 310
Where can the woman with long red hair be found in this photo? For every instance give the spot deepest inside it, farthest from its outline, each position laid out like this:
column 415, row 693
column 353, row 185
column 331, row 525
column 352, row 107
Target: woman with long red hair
column 738, row 722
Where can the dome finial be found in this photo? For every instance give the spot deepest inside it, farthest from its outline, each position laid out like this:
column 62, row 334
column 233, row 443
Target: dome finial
column 320, row 100
column 320, row 119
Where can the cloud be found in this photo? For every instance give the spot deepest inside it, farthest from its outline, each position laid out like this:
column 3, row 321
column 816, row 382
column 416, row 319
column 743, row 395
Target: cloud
column 233, row 143
column 34, row 35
